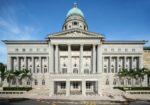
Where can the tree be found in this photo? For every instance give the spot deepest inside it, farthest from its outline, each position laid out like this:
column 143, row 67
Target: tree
column 17, row 76
column 132, row 75
column 2, row 73
column 25, row 75
column 123, row 74
column 9, row 76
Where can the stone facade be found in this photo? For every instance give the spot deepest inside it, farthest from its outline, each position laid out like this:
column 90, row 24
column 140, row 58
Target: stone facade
column 75, row 61
column 146, row 56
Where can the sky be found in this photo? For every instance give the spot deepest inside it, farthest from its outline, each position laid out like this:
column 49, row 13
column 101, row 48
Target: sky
column 34, row 19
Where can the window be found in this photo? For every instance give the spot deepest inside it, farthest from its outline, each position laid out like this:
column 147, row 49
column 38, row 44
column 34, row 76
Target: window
column 75, row 85
column 75, row 71
column 114, row 82
column 37, row 49
column 64, row 70
column 75, row 23
column 16, row 49
column 23, row 50
column 28, row 82
column 37, row 70
column 45, row 70
column 88, row 85
column 107, row 82
column 45, row 49
column 63, row 85
column 105, row 49
column 126, row 50
column 129, row 81
column 35, row 82
column 112, row 70
column 133, row 50
column 13, row 82
column 105, row 70
column 20, row 82
column 43, row 82
column 30, row 50
column 112, row 49
column 86, row 71
column 122, row 82
column 119, row 49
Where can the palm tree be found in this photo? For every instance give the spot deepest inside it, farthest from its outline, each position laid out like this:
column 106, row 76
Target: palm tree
column 25, row 75
column 9, row 76
column 140, row 73
column 132, row 74
column 17, row 76
column 147, row 72
column 2, row 73
column 123, row 74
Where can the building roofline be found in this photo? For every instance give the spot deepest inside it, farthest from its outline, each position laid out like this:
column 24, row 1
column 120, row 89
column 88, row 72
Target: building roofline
column 25, row 41
column 125, row 41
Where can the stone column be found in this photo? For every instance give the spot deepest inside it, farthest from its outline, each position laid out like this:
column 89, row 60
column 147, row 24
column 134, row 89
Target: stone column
column 51, row 58
column 9, row 63
column 99, row 58
column 67, row 88
column 25, row 62
column 117, row 64
column 141, row 61
column 81, row 59
column 94, row 59
column 83, row 87
column 32, row 65
column 69, row 60
column 40, row 64
column 56, row 58
column 124, row 62
column 47, row 59
column 110, row 64
column 132, row 61
column 17, row 63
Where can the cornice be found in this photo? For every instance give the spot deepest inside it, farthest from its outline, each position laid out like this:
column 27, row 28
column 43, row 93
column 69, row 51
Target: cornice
column 25, row 41
column 124, row 41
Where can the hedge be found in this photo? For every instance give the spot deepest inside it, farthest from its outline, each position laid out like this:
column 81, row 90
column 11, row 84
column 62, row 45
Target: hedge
column 132, row 88
column 17, row 88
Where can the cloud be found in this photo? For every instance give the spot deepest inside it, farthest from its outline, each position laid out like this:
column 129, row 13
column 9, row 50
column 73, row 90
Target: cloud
column 12, row 29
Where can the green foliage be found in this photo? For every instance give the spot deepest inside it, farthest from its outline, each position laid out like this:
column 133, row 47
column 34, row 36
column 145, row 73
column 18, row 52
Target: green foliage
column 17, row 88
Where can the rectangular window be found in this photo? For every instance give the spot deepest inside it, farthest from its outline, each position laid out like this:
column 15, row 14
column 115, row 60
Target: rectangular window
column 63, row 85
column 75, row 85
column 88, row 85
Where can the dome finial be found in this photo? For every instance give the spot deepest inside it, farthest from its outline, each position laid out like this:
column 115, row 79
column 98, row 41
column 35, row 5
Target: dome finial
column 75, row 4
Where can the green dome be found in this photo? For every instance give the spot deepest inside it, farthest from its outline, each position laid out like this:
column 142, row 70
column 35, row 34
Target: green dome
column 75, row 10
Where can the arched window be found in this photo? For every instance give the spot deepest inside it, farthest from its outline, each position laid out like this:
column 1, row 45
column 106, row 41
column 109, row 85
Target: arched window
column 75, row 71
column 86, row 71
column 43, row 82
column 64, row 70
column 64, row 65
column 114, row 82
column 13, row 82
column 28, row 82
column 107, row 82
column 122, row 82
column 75, row 65
column 35, row 82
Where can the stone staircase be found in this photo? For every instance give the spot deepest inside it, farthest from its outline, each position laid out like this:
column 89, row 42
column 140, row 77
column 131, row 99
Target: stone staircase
column 38, row 92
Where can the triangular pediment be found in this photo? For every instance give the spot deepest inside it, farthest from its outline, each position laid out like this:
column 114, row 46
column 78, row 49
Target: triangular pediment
column 75, row 33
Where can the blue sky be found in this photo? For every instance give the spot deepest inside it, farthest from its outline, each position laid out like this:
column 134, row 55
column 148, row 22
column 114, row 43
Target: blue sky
column 34, row 19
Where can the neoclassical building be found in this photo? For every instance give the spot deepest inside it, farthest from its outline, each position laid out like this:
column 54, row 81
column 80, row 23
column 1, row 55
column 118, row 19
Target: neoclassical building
column 75, row 60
